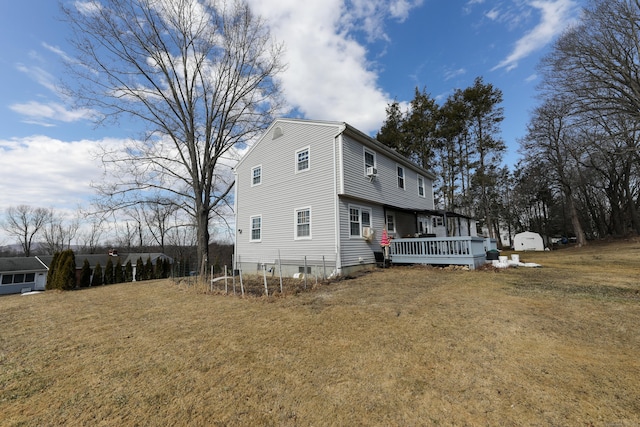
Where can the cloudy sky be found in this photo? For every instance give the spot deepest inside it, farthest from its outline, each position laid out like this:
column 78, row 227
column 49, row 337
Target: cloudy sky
column 347, row 59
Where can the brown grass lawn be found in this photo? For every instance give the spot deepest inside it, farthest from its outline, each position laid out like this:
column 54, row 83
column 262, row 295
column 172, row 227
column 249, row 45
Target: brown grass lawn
column 406, row 346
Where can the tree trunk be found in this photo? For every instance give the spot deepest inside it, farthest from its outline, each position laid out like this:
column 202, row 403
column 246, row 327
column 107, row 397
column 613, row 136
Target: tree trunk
column 581, row 240
column 203, row 240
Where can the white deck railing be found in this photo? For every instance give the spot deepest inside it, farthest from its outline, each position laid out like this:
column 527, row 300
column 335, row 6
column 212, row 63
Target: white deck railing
column 465, row 250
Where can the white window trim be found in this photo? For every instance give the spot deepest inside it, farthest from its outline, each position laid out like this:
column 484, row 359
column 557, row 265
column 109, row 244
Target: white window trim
column 295, row 223
column 251, row 239
column 386, row 222
column 424, row 190
column 360, row 209
column 365, row 150
column 404, row 177
column 308, row 150
column 252, row 170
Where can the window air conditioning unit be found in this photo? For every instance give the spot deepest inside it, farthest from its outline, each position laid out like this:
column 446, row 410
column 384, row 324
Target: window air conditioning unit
column 371, row 171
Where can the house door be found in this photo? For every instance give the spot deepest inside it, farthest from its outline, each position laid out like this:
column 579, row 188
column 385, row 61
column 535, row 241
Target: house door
column 424, row 224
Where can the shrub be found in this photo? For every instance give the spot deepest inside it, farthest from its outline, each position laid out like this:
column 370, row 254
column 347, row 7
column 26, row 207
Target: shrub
column 85, row 274
column 96, row 280
column 108, row 273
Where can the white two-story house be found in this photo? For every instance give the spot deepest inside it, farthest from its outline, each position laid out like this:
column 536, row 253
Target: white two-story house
column 319, row 194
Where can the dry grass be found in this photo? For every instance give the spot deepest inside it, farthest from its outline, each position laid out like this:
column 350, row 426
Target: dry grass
column 404, row 346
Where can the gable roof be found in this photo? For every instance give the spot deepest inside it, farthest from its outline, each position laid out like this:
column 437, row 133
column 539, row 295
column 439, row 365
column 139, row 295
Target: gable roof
column 21, row 264
column 344, row 127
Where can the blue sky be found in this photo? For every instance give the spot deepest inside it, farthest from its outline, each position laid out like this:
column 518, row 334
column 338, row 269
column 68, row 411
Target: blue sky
column 347, row 59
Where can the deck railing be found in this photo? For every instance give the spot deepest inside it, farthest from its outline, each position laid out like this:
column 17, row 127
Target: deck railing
column 465, row 250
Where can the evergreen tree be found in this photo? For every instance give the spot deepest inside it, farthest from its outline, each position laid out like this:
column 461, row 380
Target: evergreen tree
column 139, row 270
column 85, row 274
column 128, row 272
column 67, row 276
column 108, row 272
column 96, row 280
column 148, row 270
column 52, row 270
column 118, row 274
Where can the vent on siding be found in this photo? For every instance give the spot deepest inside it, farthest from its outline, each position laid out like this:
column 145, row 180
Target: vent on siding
column 301, row 270
column 277, row 132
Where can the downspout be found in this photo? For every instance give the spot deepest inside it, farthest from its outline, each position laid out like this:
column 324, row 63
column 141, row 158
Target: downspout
column 235, row 231
column 336, row 201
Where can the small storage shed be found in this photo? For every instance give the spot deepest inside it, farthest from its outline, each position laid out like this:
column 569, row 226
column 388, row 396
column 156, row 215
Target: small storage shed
column 528, row 241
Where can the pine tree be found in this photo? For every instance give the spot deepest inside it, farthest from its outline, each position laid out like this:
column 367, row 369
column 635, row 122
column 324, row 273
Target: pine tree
column 67, row 276
column 118, row 274
column 139, row 270
column 128, row 272
column 85, row 274
column 52, row 271
column 148, row 269
column 96, row 280
column 108, row 272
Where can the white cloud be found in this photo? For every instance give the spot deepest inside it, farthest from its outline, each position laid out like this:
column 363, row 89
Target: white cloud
column 556, row 15
column 450, row 74
column 45, row 172
column 45, row 113
column 42, row 77
column 329, row 76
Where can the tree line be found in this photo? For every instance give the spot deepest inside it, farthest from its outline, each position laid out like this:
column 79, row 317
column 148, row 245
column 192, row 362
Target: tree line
column 579, row 173
column 62, row 272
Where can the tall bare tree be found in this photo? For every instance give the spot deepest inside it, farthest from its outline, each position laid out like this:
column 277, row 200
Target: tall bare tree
column 25, row 223
column 200, row 74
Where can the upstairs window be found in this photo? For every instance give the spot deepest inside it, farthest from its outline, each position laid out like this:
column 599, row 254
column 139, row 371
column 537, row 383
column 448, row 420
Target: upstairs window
column 420, row 186
column 369, row 160
column 302, row 160
column 256, row 175
column 400, row 177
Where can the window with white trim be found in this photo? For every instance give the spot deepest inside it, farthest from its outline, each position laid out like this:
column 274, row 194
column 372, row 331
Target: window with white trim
column 391, row 223
column 303, row 223
column 369, row 159
column 256, row 228
column 358, row 217
column 421, row 192
column 256, row 175
column 302, row 160
column 400, row 176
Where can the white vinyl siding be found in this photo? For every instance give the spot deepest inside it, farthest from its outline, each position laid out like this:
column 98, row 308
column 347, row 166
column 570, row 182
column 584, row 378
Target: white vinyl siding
column 384, row 189
column 284, row 190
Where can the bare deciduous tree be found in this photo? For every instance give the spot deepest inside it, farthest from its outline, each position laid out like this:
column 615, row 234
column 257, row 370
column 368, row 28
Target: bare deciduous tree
column 201, row 75
column 25, row 223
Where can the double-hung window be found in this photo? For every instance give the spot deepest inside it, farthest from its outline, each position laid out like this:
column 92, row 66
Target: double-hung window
column 421, row 186
column 400, row 176
column 303, row 223
column 256, row 175
column 358, row 218
column 369, row 160
column 302, row 160
column 391, row 223
column 256, row 228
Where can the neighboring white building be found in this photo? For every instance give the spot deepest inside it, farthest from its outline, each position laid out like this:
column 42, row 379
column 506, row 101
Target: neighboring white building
column 325, row 191
column 528, row 241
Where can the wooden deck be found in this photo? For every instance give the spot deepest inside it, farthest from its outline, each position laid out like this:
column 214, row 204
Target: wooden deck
column 465, row 250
